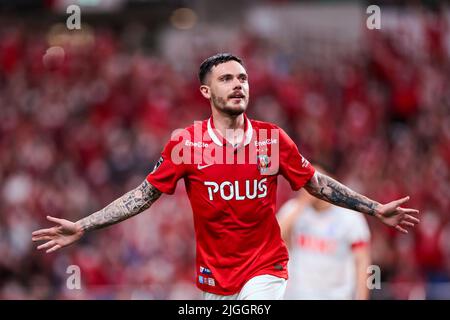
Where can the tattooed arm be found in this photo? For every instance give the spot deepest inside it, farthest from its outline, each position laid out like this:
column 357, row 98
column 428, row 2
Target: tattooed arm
column 127, row 206
column 130, row 204
column 323, row 187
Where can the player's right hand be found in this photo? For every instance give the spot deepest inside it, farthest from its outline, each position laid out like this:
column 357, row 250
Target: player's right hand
column 395, row 216
column 65, row 233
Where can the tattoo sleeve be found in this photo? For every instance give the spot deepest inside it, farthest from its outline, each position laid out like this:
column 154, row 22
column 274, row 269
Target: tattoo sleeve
column 130, row 204
column 328, row 189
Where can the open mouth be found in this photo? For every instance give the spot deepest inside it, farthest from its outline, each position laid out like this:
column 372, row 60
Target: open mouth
column 237, row 96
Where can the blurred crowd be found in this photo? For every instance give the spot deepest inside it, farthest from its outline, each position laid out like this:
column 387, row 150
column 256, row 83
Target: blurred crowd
column 75, row 137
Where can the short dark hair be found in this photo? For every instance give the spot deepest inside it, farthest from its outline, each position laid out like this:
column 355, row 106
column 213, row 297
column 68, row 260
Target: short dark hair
column 213, row 61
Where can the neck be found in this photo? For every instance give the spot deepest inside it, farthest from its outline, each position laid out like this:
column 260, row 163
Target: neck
column 223, row 121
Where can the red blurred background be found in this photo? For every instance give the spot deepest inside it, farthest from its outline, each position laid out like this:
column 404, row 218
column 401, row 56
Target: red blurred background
column 372, row 105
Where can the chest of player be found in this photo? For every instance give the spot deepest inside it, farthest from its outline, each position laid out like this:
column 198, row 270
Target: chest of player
column 231, row 181
column 232, row 173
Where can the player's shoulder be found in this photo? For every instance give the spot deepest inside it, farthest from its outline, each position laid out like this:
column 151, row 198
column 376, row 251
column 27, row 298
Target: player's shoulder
column 271, row 129
column 288, row 204
column 276, row 133
column 258, row 124
column 286, row 208
column 188, row 134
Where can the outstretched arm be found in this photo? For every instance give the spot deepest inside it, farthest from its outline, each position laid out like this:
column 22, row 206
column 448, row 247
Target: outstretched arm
column 323, row 187
column 127, row 206
column 130, row 204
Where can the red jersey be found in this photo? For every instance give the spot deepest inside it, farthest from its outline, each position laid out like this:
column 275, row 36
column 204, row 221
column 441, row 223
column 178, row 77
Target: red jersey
column 232, row 191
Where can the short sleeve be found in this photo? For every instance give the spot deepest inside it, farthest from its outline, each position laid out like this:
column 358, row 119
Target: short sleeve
column 166, row 173
column 293, row 166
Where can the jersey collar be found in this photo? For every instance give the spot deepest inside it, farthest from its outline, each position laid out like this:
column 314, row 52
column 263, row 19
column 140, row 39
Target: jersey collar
column 219, row 140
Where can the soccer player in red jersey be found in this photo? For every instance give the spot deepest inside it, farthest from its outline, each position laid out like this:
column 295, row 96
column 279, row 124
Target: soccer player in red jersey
column 230, row 165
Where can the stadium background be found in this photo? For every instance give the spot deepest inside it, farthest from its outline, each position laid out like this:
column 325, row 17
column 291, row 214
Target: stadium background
column 374, row 106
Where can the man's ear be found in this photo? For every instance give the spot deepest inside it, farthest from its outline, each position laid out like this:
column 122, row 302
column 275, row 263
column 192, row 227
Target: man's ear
column 204, row 89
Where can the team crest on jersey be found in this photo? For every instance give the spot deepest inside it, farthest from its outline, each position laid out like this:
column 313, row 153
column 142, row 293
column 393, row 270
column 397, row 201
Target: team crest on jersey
column 158, row 164
column 263, row 161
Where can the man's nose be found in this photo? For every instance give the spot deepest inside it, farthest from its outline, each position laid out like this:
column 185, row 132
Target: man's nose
column 237, row 84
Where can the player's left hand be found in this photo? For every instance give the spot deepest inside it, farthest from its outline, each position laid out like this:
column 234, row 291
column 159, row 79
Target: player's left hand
column 395, row 216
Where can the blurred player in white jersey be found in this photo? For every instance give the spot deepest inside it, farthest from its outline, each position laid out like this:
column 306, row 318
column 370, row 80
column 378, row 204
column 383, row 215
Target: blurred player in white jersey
column 329, row 250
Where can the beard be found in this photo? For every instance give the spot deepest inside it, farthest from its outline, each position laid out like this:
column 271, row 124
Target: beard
column 231, row 110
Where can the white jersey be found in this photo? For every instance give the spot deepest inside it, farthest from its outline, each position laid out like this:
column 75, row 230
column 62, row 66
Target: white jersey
column 321, row 264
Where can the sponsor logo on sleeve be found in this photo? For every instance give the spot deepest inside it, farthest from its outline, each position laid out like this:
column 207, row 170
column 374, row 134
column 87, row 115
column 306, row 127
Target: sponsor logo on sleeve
column 305, row 162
